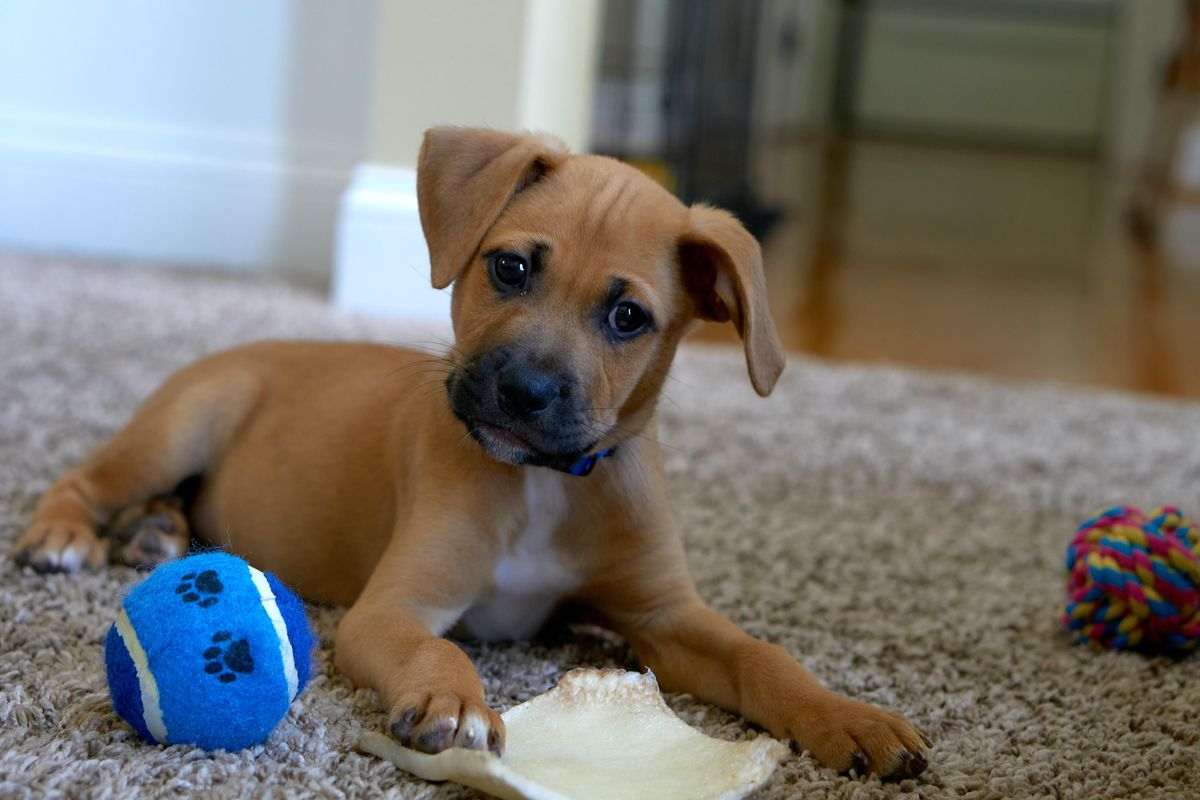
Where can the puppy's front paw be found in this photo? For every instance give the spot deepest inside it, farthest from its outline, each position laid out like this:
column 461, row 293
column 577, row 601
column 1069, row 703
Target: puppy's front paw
column 55, row 546
column 433, row 721
column 848, row 735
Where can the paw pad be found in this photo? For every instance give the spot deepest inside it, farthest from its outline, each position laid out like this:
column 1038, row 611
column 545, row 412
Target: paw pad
column 206, row 585
column 227, row 661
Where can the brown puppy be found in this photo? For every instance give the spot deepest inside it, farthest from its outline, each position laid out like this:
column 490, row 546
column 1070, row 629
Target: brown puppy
column 351, row 473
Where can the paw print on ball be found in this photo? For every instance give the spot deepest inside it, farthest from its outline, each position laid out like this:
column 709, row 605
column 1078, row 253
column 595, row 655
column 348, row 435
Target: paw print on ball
column 206, row 585
column 227, row 661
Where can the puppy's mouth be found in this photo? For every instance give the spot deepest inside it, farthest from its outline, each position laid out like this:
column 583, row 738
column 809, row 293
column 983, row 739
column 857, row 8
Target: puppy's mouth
column 505, row 444
column 499, row 441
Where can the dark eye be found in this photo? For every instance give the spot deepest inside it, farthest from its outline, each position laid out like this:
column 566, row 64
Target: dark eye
column 510, row 269
column 627, row 318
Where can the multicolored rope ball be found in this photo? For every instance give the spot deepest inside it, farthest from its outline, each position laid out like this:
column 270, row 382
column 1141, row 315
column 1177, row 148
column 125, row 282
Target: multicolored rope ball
column 1134, row 582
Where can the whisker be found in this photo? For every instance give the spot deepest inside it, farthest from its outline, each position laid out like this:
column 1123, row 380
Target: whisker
column 430, row 371
column 444, row 365
column 599, row 431
column 467, row 435
column 436, row 347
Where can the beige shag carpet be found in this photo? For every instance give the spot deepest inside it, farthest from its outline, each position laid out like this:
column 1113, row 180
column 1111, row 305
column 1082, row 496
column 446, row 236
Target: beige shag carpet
column 901, row 534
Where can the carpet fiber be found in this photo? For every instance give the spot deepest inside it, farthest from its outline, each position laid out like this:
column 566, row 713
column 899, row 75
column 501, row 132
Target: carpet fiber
column 901, row 534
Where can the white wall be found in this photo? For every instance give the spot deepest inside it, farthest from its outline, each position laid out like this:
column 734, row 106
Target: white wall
column 447, row 62
column 224, row 132
column 199, row 131
column 559, row 50
column 514, row 64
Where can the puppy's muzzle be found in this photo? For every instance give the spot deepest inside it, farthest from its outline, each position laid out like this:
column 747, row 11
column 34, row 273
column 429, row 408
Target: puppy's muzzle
column 522, row 409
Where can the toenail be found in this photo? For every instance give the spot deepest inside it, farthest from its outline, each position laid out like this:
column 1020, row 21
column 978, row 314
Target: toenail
column 859, row 761
column 433, row 741
column 401, row 729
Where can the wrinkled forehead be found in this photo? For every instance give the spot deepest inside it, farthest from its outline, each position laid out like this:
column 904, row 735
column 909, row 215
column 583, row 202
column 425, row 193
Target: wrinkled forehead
column 598, row 221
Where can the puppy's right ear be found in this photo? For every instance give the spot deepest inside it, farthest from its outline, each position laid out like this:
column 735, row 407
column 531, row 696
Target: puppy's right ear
column 465, row 178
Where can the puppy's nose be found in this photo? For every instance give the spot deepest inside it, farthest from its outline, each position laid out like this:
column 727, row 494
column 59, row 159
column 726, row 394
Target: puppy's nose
column 525, row 393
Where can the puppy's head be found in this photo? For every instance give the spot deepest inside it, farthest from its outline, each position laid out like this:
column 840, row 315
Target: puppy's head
column 574, row 279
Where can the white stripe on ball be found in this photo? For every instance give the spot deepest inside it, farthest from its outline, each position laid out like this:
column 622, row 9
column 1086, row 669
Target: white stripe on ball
column 285, row 644
column 151, row 709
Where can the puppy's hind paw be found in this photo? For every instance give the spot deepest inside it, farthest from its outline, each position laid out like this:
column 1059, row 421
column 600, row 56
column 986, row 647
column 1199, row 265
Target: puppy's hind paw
column 54, row 546
column 150, row 533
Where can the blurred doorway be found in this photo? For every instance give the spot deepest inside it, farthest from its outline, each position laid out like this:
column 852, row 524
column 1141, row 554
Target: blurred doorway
column 937, row 184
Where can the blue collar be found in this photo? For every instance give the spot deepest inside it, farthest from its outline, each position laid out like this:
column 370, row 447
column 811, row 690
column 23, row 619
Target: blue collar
column 585, row 465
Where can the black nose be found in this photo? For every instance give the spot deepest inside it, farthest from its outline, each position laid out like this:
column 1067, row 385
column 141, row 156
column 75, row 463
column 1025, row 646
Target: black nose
column 525, row 393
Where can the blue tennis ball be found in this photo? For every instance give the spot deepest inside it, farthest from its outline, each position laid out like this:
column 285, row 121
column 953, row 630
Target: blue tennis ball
column 208, row 651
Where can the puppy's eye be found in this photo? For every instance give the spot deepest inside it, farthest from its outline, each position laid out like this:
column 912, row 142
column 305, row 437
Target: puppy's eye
column 510, row 269
column 627, row 319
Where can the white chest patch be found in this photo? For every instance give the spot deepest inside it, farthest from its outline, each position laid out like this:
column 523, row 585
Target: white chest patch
column 530, row 578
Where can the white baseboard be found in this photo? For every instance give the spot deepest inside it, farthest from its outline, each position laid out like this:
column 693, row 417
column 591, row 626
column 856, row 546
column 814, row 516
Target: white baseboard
column 133, row 192
column 381, row 265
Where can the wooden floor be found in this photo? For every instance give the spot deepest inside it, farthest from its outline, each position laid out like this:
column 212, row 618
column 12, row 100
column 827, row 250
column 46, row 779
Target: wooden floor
column 1001, row 263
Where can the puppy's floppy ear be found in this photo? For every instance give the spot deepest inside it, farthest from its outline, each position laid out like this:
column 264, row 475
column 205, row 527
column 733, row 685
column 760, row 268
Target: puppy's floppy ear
column 723, row 272
column 465, row 178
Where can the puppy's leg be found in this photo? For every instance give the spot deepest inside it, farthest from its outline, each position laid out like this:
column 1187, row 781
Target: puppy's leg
column 693, row 649
column 387, row 642
column 428, row 685
column 173, row 435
